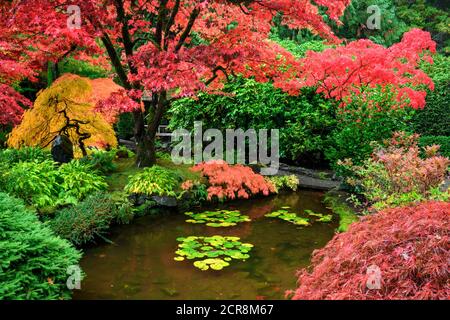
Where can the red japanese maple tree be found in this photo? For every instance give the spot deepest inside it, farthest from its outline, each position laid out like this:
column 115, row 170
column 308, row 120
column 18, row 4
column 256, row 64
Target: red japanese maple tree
column 408, row 245
column 166, row 49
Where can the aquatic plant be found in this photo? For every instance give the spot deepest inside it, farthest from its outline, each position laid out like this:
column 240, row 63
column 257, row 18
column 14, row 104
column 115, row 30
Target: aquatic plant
column 284, row 214
column 214, row 252
column 220, row 218
column 322, row 217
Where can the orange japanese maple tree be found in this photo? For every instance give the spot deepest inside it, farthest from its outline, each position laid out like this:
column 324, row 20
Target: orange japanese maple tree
column 166, row 49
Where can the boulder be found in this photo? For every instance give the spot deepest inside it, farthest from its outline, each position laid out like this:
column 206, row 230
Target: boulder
column 62, row 149
column 165, row 201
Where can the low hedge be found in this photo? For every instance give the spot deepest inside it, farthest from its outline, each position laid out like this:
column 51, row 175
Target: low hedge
column 33, row 261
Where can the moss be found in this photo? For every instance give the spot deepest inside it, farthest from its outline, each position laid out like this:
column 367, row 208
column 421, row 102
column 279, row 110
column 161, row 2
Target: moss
column 338, row 205
column 118, row 179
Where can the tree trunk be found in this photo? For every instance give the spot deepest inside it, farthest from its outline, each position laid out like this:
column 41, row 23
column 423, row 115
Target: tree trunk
column 145, row 137
column 145, row 153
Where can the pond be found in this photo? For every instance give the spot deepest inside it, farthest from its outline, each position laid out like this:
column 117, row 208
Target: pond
column 139, row 264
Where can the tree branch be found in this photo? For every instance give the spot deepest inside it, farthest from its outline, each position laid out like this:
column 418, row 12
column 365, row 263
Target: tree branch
column 187, row 31
column 115, row 60
column 127, row 41
column 171, row 21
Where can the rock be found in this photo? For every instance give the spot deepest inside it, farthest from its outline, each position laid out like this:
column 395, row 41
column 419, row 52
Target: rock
column 152, row 201
column 165, row 201
column 311, row 179
column 130, row 144
column 62, row 149
column 318, row 174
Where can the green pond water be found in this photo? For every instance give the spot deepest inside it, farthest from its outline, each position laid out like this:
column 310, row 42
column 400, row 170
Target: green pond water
column 139, row 264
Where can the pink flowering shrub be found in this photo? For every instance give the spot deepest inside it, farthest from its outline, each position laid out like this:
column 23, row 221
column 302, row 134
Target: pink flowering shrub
column 231, row 182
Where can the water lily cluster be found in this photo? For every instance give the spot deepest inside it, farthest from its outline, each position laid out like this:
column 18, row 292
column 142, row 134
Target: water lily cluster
column 212, row 252
column 285, row 215
column 219, row 218
column 292, row 217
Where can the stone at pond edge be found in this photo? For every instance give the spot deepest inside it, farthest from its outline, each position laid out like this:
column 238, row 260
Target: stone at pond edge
column 162, row 201
column 165, row 201
column 62, row 149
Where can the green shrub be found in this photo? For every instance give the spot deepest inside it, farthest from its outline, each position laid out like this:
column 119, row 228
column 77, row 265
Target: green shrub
column 4, row 131
column 442, row 141
column 434, row 119
column 124, row 152
column 33, row 261
column 305, row 122
column 365, row 121
column 281, row 31
column 299, row 50
column 78, row 180
column 125, row 212
column 290, row 182
column 102, row 161
column 155, row 180
column 125, row 126
column 12, row 156
column 82, row 68
column 91, row 218
column 35, row 182
column 356, row 15
column 196, row 196
column 45, row 186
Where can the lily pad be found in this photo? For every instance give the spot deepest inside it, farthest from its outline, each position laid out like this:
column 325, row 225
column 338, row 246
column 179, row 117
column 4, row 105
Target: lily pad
column 213, row 253
column 322, row 217
column 217, row 219
column 289, row 216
